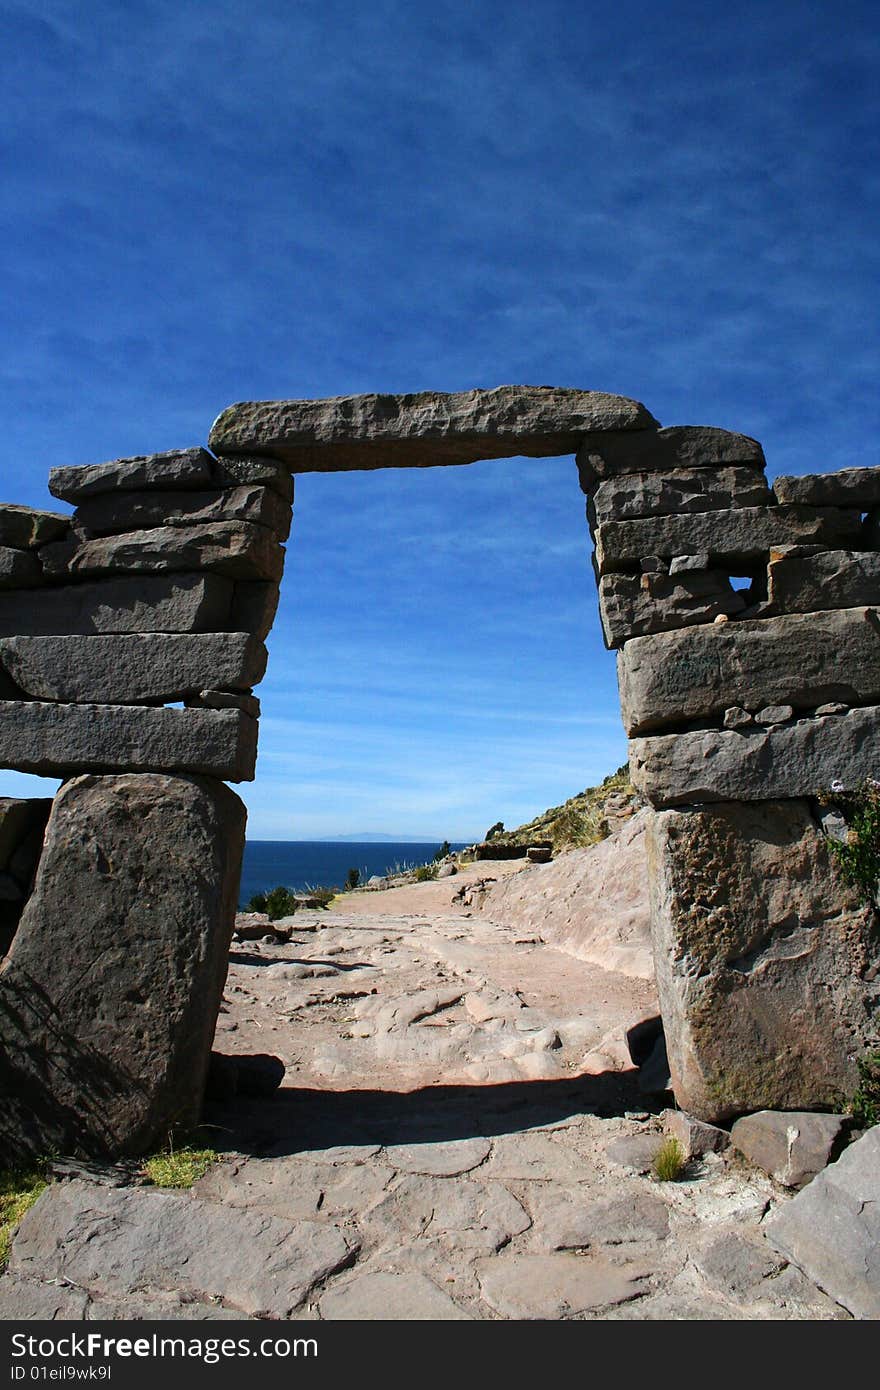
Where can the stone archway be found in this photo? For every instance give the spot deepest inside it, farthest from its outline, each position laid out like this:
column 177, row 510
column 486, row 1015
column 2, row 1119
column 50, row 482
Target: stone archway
column 163, row 587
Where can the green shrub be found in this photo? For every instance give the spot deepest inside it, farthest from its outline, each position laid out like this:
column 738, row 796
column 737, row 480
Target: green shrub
column 425, row 872
column 352, row 880
column 19, row 1189
column 669, row 1161
column 865, row 1104
column 280, row 903
column 442, row 852
column 322, row 894
column 858, row 856
column 257, row 903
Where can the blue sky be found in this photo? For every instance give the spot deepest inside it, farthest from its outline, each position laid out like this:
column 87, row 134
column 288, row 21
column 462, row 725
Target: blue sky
column 210, row 202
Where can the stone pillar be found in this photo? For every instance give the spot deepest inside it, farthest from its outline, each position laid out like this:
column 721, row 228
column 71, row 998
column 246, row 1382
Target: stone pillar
column 742, row 704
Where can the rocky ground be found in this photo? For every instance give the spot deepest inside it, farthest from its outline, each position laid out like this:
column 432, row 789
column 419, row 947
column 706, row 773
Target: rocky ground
column 458, row 1135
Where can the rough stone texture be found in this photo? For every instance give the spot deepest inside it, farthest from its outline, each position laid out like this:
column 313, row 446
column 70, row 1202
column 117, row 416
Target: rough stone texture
column 443, row 1159
column 24, row 527
column 131, row 668
column 849, row 487
column 148, row 603
column 766, row 962
column 631, row 605
column 739, row 536
column 800, row 659
column 835, row 579
column 19, row 569
column 56, row 740
column 591, row 903
column 253, row 609
column 177, row 468
column 557, row 1286
column 832, row 1229
column 231, row 470
column 27, row 1300
column 388, row 1295
column 565, row 1221
column 240, row 550
column 111, row 514
column 465, row 1215
column 423, row 429
column 792, row 1146
column 106, row 1042
column 635, row 1151
column 122, row 1240
column 664, row 451
column 22, row 823
column 696, row 1137
column 632, row 495
column 758, row 764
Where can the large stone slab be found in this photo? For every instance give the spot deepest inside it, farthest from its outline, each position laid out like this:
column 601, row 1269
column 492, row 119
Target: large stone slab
column 803, row 660
column 764, row 959
column 831, row 1230
column 112, row 513
column 631, row 605
column 423, row 429
column 25, row 527
column 809, row 583
column 240, row 550
column 19, row 569
column 848, row 487
column 132, row 668
column 664, row 451
column 56, row 740
column 557, row 1286
column 120, row 1240
column 148, row 603
column 110, row 993
column 787, row 760
column 632, row 495
column 390, row 1295
column 176, row 468
column 742, row 535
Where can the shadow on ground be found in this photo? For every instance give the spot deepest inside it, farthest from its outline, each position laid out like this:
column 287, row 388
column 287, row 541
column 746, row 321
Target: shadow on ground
column 291, row 1121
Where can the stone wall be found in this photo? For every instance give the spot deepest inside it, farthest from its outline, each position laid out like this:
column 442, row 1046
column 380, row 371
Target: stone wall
column 132, row 635
column 747, row 625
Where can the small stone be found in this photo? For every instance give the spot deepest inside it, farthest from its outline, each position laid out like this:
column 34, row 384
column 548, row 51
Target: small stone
column 833, row 707
column 227, row 699
column 447, row 870
column 792, row 1146
column 680, row 564
column 737, row 718
column 696, row 1137
column 721, row 618
column 177, row 468
column 652, row 564
column 774, row 714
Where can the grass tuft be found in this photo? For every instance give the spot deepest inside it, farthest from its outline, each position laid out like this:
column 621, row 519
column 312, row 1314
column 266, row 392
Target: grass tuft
column 178, row 1167
column 19, row 1189
column 670, row 1161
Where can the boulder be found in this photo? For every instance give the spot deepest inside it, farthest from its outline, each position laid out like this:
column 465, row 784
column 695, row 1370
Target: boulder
column 24, row 528
column 57, row 740
column 240, row 550
column 147, row 603
column 758, row 764
column 736, row 537
column 664, row 451
column 631, row 495
column 110, row 994
column 19, row 569
column 132, row 667
column 848, row 487
column 831, row 1230
column 764, row 959
column 834, row 579
column 800, row 659
column 177, row 468
column 424, row 429
column 631, row 605
column 792, row 1146
column 113, row 513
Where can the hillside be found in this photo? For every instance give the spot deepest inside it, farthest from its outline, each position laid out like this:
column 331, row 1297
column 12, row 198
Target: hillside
column 582, row 820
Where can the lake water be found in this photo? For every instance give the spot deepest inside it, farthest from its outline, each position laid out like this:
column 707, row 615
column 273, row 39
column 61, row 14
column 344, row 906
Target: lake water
column 300, row 864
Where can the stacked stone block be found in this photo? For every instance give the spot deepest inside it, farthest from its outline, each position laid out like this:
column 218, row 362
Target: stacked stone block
column 747, row 625
column 131, row 637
